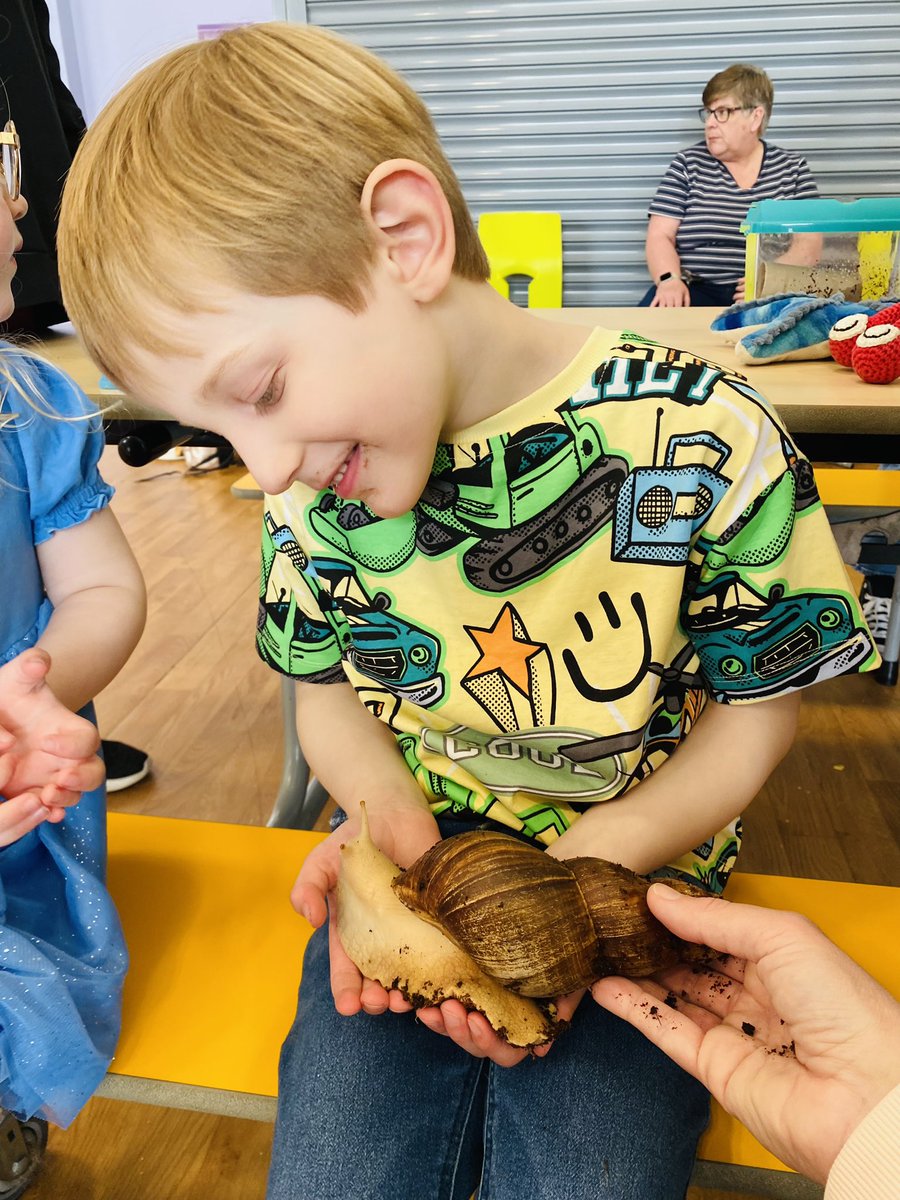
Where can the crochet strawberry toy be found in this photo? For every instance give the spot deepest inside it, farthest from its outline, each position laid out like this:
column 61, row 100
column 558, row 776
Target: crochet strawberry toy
column 876, row 355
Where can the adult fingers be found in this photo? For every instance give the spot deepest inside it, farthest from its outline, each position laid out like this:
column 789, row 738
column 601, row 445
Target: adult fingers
column 674, row 1032
column 743, row 930
column 708, row 989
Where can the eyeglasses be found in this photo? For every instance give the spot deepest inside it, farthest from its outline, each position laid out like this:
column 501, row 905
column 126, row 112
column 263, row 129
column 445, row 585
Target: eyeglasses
column 12, row 160
column 721, row 114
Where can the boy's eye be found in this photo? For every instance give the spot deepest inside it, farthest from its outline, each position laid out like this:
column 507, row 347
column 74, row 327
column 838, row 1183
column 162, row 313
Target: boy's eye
column 270, row 396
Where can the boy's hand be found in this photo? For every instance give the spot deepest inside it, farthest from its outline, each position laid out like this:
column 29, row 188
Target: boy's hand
column 44, row 748
column 401, row 834
column 472, row 1032
column 412, row 831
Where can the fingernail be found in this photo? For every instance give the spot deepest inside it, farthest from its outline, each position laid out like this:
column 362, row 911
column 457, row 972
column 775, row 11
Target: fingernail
column 662, row 892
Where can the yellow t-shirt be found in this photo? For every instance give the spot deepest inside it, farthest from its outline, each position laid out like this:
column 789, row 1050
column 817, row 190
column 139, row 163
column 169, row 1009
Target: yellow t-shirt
column 583, row 571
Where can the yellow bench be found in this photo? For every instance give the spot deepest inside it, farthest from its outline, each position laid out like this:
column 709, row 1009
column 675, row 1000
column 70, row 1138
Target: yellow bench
column 216, row 954
column 861, row 487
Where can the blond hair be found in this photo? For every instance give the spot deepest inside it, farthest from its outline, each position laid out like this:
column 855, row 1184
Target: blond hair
column 750, row 86
column 246, row 156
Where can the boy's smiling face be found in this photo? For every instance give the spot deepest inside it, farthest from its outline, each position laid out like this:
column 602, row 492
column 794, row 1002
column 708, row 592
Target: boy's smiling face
column 306, row 390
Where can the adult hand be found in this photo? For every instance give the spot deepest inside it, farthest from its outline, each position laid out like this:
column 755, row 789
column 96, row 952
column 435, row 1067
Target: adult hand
column 672, row 293
column 44, row 748
column 739, row 291
column 792, row 1037
column 402, row 834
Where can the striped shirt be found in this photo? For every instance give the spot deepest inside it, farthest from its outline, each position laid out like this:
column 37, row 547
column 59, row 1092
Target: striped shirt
column 700, row 192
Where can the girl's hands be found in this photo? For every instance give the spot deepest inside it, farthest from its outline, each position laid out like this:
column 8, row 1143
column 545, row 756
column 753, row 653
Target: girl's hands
column 45, row 749
column 22, row 814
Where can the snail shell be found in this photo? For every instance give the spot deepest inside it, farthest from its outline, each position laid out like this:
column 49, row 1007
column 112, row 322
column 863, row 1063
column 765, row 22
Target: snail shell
column 391, row 944
column 541, row 925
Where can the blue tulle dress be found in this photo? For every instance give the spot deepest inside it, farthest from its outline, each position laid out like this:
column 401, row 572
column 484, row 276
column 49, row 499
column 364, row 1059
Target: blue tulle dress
column 62, row 953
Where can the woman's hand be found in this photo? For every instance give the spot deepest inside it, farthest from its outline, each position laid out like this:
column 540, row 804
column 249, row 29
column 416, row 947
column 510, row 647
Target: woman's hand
column 45, row 749
column 792, row 1037
column 739, row 291
column 672, row 293
column 403, row 834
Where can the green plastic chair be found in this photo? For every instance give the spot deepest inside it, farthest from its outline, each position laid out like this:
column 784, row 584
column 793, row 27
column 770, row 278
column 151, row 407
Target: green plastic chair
column 525, row 243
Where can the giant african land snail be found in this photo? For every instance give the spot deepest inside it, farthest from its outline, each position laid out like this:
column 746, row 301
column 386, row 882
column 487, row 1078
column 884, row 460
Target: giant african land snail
column 499, row 925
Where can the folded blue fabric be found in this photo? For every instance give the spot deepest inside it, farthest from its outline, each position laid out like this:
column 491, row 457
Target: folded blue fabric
column 789, row 326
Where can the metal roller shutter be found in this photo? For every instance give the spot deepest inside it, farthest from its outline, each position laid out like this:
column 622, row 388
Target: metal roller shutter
column 578, row 105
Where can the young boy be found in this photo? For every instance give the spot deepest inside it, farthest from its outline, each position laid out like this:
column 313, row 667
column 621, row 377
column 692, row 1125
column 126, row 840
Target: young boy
column 511, row 564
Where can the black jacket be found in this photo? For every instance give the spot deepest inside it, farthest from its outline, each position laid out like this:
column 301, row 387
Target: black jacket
column 50, row 125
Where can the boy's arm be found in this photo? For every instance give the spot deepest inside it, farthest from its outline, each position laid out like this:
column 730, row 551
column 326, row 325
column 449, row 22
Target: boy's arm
column 356, row 757
column 707, row 782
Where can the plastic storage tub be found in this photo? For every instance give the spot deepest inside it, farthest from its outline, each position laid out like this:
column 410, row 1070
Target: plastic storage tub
column 824, row 246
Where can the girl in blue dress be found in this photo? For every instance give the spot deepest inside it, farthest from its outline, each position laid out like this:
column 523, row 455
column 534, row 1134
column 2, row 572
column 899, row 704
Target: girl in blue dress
column 69, row 587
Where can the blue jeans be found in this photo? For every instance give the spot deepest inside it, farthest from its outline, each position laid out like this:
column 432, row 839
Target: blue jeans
column 381, row 1108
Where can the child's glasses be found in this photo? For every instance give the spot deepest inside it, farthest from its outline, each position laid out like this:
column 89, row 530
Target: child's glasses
column 12, row 160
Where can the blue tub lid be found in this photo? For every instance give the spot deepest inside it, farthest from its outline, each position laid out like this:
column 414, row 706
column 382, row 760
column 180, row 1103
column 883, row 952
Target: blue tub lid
column 823, row 216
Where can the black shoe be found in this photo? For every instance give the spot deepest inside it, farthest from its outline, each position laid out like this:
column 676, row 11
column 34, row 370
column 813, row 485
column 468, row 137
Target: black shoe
column 125, row 766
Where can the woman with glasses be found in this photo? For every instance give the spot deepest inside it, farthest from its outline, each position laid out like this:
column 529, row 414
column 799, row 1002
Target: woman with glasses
column 695, row 248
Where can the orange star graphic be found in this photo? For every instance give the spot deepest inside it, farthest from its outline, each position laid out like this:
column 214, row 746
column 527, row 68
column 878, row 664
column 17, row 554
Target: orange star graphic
column 503, row 650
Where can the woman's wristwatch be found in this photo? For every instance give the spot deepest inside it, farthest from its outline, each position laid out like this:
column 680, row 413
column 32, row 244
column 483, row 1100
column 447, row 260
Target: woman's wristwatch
column 685, row 278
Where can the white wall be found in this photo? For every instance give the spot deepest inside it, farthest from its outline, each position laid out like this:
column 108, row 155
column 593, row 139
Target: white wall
column 101, row 43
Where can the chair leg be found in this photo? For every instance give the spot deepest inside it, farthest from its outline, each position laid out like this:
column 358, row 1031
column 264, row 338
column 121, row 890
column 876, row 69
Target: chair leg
column 300, row 798
column 890, row 656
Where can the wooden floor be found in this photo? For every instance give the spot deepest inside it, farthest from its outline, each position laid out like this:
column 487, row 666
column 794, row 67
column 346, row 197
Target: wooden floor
column 198, row 700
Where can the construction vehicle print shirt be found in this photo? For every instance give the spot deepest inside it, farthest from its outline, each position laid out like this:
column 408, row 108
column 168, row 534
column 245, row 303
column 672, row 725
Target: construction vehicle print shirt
column 582, row 574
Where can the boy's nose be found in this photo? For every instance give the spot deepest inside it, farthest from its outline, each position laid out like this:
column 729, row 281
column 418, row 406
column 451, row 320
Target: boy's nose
column 274, row 473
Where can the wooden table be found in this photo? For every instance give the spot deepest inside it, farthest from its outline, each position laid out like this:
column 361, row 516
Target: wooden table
column 833, row 415
column 831, row 412
column 141, row 433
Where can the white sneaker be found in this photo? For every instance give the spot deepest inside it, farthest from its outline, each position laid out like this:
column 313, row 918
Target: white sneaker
column 877, row 611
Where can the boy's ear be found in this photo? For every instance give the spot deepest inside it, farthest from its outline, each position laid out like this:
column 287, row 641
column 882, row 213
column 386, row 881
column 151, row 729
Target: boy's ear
column 406, row 208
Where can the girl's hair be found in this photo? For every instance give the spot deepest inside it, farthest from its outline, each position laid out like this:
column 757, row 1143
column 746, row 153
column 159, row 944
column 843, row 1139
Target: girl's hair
column 19, row 376
column 244, row 156
column 750, row 86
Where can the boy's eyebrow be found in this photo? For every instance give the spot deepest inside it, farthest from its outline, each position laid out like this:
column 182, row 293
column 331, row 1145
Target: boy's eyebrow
column 213, row 381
